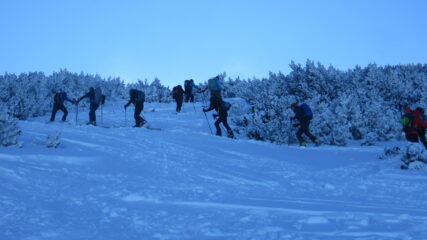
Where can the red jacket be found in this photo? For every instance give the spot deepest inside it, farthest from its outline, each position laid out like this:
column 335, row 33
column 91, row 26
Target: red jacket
column 419, row 122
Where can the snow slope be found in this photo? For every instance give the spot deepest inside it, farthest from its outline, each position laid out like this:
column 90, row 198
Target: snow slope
column 183, row 183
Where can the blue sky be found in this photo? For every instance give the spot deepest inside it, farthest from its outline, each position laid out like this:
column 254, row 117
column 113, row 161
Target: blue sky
column 182, row 39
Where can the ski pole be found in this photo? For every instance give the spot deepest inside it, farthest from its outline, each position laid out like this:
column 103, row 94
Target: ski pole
column 290, row 132
column 182, row 105
column 126, row 116
column 204, row 99
column 102, row 115
column 194, row 107
column 77, row 112
column 208, row 122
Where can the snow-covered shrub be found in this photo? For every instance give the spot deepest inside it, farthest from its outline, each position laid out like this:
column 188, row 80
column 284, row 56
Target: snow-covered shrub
column 362, row 103
column 390, row 152
column 9, row 130
column 31, row 94
column 238, row 114
column 413, row 152
column 330, row 123
column 369, row 139
column 154, row 91
column 53, row 140
column 417, row 165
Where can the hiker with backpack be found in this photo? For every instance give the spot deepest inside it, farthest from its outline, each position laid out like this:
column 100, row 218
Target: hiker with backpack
column 222, row 108
column 96, row 99
column 408, row 126
column 414, row 126
column 304, row 115
column 421, row 127
column 58, row 104
column 188, row 87
column 178, row 96
column 137, row 98
column 215, row 87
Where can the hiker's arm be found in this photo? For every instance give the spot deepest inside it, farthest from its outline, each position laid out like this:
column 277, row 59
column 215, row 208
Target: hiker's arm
column 194, row 86
column 211, row 107
column 68, row 99
column 127, row 104
column 85, row 96
column 204, row 89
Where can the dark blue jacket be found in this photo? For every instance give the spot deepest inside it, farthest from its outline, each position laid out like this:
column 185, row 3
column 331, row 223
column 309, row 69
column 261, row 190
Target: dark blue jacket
column 62, row 98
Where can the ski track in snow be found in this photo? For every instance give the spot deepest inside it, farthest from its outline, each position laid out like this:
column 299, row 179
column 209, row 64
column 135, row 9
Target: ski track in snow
column 183, row 183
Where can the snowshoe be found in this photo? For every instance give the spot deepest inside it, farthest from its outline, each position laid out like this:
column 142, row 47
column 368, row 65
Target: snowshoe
column 91, row 123
column 230, row 134
column 152, row 128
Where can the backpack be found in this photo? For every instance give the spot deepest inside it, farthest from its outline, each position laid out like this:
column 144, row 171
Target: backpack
column 408, row 121
column 57, row 98
column 97, row 98
column 226, row 105
column 214, row 84
column 306, row 110
column 187, row 85
column 175, row 92
column 140, row 96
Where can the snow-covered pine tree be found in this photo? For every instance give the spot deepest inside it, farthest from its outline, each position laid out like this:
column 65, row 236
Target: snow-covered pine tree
column 9, row 130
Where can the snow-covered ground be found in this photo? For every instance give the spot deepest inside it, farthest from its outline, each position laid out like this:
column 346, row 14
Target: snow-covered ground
column 183, row 183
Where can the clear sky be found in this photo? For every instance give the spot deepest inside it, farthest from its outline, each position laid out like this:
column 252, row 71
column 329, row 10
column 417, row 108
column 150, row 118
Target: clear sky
column 176, row 40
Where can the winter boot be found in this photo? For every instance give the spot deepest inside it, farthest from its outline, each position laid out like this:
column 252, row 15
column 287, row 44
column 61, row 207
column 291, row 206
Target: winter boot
column 218, row 133
column 303, row 143
column 91, row 123
column 317, row 142
column 230, row 133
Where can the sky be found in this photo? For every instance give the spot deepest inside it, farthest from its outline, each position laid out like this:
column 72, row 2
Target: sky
column 198, row 39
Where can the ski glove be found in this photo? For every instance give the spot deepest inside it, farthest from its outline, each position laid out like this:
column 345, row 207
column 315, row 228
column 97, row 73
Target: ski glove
column 296, row 124
column 215, row 115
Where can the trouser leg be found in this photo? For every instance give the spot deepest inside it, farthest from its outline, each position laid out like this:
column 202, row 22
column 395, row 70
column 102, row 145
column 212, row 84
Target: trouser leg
column 179, row 104
column 299, row 134
column 422, row 136
column 54, row 111
column 306, row 130
column 64, row 110
column 229, row 130
column 412, row 138
column 92, row 114
column 218, row 128
column 138, row 119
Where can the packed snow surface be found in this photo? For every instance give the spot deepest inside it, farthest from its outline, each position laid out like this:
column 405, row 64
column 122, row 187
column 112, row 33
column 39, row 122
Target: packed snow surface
column 117, row 182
